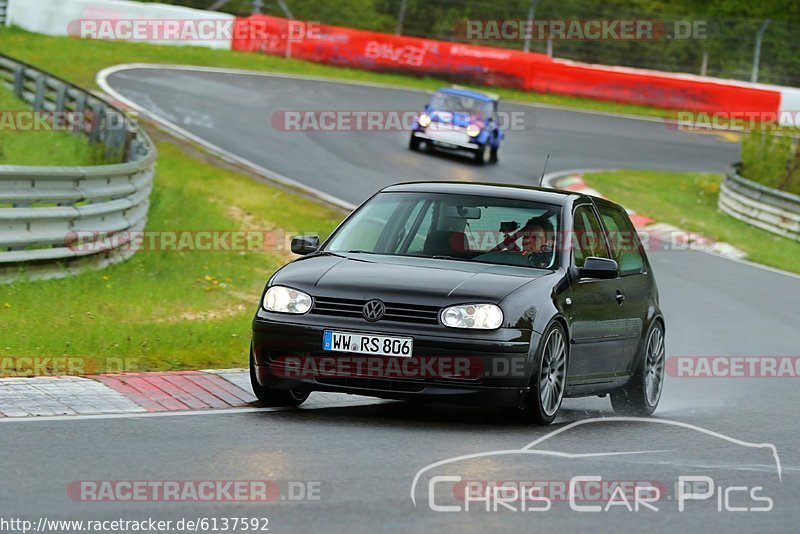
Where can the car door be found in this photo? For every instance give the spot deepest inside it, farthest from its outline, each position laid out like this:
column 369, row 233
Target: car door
column 595, row 314
column 633, row 279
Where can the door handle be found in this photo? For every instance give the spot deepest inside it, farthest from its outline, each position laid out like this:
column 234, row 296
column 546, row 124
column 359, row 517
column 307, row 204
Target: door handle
column 620, row 297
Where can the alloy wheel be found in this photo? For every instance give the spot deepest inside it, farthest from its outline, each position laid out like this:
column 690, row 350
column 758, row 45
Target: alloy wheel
column 552, row 373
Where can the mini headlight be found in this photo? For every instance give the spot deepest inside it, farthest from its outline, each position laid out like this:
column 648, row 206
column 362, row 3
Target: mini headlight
column 481, row 316
column 286, row 300
column 473, row 130
column 424, row 120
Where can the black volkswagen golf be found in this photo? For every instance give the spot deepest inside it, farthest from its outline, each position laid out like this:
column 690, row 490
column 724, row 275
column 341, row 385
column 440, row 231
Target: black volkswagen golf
column 485, row 294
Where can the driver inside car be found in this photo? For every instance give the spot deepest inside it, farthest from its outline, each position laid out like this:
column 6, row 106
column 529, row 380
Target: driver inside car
column 538, row 237
column 536, row 250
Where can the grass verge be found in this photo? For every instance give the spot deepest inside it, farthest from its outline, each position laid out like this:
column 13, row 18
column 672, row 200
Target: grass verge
column 688, row 200
column 79, row 61
column 28, row 148
column 163, row 310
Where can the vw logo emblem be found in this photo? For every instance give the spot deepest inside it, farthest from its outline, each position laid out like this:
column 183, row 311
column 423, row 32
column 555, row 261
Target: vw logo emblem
column 374, row 310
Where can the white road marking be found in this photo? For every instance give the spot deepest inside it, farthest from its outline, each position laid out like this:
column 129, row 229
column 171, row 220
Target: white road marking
column 269, row 174
column 323, row 404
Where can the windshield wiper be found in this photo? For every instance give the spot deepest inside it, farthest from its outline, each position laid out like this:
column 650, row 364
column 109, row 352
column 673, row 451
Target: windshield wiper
column 328, row 253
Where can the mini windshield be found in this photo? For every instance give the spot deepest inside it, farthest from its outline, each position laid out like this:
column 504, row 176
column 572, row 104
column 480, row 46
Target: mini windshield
column 461, row 104
column 453, row 227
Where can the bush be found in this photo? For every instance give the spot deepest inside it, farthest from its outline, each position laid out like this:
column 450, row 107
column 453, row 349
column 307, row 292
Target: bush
column 771, row 160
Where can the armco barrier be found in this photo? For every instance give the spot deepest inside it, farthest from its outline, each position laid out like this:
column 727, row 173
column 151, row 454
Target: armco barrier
column 3, row 10
column 499, row 67
column 772, row 210
column 42, row 208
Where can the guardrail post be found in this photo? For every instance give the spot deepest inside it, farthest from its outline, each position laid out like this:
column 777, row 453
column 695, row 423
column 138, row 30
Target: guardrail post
column 41, row 88
column 98, row 115
column 19, row 80
column 61, row 98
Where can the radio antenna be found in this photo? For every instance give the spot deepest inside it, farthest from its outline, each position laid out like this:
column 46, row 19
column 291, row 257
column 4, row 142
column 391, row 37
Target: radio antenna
column 543, row 170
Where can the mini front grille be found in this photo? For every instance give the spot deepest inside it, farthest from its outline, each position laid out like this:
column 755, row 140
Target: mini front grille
column 401, row 313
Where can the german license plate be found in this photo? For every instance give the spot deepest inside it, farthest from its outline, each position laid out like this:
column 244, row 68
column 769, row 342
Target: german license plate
column 367, row 344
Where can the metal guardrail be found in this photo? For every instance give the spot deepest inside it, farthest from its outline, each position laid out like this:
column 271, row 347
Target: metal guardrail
column 770, row 209
column 43, row 210
column 3, row 11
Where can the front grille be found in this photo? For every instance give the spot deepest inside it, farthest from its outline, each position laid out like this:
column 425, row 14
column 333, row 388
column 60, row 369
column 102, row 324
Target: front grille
column 401, row 313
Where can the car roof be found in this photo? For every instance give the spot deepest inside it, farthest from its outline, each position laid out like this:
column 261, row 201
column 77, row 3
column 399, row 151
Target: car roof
column 512, row 191
column 483, row 97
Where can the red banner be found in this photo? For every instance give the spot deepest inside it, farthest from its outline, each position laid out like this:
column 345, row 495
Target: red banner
column 334, row 45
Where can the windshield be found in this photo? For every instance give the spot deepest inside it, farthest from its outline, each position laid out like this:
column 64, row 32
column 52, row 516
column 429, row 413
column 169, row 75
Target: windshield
column 453, row 227
column 461, row 104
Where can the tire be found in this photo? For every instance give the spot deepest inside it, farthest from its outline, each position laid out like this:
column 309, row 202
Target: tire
column 482, row 154
column 493, row 158
column 552, row 361
column 274, row 397
column 641, row 395
column 413, row 144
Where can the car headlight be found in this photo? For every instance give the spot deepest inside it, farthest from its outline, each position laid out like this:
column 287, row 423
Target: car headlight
column 424, row 120
column 473, row 130
column 481, row 316
column 286, row 300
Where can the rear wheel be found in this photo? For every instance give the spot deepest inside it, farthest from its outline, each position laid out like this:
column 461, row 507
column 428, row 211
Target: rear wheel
column 274, row 397
column 641, row 395
column 548, row 382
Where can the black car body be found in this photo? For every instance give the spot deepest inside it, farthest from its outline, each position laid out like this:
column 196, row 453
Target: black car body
column 596, row 297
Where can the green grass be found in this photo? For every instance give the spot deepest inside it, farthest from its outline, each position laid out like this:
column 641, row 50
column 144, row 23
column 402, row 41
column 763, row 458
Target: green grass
column 79, row 61
column 164, row 310
column 38, row 147
column 688, row 200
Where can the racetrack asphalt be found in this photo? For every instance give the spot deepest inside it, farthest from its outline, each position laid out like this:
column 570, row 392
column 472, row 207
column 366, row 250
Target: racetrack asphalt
column 367, row 456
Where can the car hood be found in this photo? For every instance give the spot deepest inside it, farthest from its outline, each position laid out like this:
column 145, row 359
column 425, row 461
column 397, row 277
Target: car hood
column 404, row 279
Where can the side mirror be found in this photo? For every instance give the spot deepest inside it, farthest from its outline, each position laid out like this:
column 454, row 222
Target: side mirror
column 427, row 107
column 305, row 244
column 602, row 268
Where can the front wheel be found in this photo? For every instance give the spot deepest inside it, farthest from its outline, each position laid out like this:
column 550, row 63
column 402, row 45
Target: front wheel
column 413, row 143
column 548, row 382
column 641, row 395
column 482, row 154
column 275, row 397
